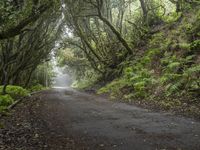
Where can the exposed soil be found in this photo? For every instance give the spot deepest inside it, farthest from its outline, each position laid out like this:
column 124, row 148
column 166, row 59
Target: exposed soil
column 64, row 119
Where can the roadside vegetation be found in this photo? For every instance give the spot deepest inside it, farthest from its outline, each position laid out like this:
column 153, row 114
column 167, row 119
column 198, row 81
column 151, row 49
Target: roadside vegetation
column 168, row 72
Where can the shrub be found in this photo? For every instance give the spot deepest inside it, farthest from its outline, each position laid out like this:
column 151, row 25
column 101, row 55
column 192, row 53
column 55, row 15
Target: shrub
column 15, row 91
column 37, row 87
column 5, row 100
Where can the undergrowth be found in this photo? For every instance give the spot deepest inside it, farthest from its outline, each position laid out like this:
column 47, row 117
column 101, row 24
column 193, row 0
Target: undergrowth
column 14, row 93
column 37, row 87
column 168, row 73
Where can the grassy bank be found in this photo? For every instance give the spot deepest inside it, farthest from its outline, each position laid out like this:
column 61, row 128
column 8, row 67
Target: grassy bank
column 167, row 73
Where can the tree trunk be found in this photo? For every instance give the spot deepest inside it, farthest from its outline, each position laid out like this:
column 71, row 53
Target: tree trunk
column 144, row 11
column 29, row 77
column 117, row 33
column 18, row 29
column 5, row 82
column 84, row 38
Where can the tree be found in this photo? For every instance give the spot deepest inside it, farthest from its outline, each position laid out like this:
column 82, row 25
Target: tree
column 28, row 48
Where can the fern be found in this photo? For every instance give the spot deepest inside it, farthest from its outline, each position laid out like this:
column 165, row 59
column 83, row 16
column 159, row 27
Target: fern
column 192, row 70
column 174, row 66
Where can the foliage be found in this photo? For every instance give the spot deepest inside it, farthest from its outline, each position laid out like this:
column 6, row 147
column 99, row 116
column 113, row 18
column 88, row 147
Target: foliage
column 142, row 49
column 115, row 88
column 195, row 45
column 37, row 87
column 82, row 84
column 42, row 76
column 172, row 17
column 5, row 100
column 142, row 83
column 179, row 75
column 28, row 33
column 89, row 80
column 15, row 91
column 137, row 79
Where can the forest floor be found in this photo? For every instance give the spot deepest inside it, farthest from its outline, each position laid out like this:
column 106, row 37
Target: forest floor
column 65, row 119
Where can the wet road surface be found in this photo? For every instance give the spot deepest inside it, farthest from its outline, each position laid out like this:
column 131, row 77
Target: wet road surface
column 65, row 119
column 103, row 124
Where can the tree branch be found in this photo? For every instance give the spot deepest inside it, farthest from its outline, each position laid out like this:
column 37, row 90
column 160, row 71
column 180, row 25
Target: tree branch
column 19, row 28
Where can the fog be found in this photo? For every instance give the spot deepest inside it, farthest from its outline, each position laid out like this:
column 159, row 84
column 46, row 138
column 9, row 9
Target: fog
column 62, row 79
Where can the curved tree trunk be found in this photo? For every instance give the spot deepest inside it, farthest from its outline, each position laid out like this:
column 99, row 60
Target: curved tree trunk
column 117, row 33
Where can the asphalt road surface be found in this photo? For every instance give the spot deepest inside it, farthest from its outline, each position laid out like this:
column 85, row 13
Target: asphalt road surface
column 69, row 119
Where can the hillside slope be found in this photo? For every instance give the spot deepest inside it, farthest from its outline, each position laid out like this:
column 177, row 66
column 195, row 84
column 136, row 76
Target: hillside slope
column 167, row 74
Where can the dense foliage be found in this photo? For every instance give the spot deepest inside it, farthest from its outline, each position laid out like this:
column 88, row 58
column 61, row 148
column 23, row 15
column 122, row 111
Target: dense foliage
column 134, row 49
column 13, row 94
column 28, row 33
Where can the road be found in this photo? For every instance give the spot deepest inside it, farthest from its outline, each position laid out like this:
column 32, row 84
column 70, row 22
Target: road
column 80, row 121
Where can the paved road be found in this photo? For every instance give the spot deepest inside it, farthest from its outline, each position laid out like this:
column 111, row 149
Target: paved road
column 102, row 124
column 64, row 119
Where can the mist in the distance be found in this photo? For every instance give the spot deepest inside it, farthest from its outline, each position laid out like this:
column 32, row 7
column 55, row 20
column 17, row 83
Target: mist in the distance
column 62, row 79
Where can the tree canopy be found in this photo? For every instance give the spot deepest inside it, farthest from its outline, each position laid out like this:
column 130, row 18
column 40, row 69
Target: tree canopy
column 133, row 41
